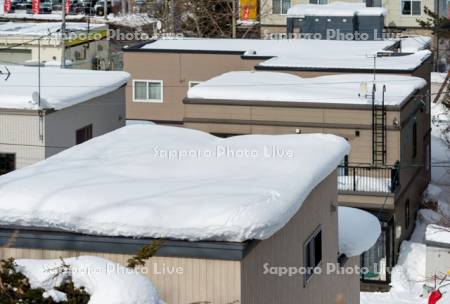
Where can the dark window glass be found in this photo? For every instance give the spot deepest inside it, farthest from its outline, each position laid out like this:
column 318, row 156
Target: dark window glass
column 83, row 134
column 414, row 139
column 406, row 7
column 7, row 163
column 407, row 214
column 312, row 253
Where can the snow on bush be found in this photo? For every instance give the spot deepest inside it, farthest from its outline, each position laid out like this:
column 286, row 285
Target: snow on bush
column 103, row 280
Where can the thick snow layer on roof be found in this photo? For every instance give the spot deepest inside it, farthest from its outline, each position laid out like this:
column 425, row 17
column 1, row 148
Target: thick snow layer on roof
column 363, row 61
column 40, row 17
column 335, row 9
column 358, row 231
column 261, row 47
column 42, row 28
column 273, row 86
column 60, row 88
column 437, row 234
column 105, row 281
column 412, row 44
column 177, row 183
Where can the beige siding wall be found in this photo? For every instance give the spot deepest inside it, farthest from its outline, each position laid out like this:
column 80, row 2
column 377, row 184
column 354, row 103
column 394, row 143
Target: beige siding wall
column 19, row 134
column 285, row 249
column 106, row 113
column 201, row 281
column 175, row 70
column 277, row 120
column 395, row 17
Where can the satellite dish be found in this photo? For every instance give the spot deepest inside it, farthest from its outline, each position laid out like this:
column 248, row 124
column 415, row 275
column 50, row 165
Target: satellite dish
column 363, row 89
column 35, row 97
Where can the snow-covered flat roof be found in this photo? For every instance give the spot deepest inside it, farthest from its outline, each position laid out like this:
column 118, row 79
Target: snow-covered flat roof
column 407, row 62
column 60, row 88
column 412, row 44
column 438, row 234
column 270, row 48
column 335, row 9
column 176, row 183
column 283, row 87
column 43, row 28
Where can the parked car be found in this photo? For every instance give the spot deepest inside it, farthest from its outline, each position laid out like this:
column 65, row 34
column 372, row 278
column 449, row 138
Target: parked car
column 19, row 5
column 99, row 8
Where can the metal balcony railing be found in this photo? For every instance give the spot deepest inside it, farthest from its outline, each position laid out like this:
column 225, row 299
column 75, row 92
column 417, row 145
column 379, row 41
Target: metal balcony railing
column 367, row 178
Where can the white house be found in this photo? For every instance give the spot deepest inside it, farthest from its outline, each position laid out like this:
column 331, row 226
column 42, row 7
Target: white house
column 85, row 45
column 39, row 118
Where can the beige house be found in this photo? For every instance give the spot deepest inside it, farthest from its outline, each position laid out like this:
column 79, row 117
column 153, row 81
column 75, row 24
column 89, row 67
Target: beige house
column 72, row 107
column 388, row 167
column 400, row 14
column 85, row 45
column 244, row 237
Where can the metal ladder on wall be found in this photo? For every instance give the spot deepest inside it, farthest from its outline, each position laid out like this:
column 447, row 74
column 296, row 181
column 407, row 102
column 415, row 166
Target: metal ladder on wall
column 378, row 129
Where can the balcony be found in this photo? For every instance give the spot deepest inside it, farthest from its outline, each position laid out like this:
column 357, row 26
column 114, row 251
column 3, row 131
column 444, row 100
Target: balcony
column 367, row 178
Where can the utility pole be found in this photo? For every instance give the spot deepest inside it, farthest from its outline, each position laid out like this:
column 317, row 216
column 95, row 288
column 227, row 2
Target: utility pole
column 234, row 19
column 105, row 8
column 63, row 34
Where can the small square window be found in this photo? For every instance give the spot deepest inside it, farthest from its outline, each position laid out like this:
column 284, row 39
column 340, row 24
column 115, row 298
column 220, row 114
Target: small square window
column 147, row 91
column 84, row 134
column 280, row 6
column 411, row 7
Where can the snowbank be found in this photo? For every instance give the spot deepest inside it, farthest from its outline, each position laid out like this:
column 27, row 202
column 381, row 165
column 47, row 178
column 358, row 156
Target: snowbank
column 335, row 9
column 438, row 78
column 105, row 281
column 272, row 86
column 358, row 231
column 438, row 234
column 167, row 182
column 60, row 88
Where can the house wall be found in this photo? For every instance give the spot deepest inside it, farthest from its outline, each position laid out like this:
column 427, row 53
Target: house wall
column 106, row 113
column 175, row 70
column 415, row 172
column 346, row 122
column 438, row 261
column 20, row 135
column 200, row 281
column 51, row 50
column 273, row 23
column 286, row 249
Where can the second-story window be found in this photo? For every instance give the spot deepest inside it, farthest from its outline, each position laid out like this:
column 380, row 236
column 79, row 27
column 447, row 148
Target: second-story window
column 147, row 91
column 414, row 139
column 312, row 253
column 280, row 6
column 318, row 1
column 410, row 7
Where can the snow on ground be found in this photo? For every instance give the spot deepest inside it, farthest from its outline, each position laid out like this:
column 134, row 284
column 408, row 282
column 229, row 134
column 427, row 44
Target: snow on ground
column 438, row 78
column 60, row 88
column 174, row 183
column 408, row 276
column 105, row 281
column 129, row 20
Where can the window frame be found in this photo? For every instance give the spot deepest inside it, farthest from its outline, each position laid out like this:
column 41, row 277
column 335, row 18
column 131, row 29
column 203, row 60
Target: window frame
column 407, row 214
column 414, row 137
column 309, row 273
column 411, row 8
column 281, row 7
column 317, row 2
column 147, row 81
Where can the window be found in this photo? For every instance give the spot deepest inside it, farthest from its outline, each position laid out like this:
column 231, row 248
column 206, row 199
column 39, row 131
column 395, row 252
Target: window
column 83, row 134
column 318, row 1
column 7, row 163
column 313, row 253
column 414, row 139
column 411, row 7
column 280, row 6
column 374, row 3
column 193, row 83
column 407, row 214
column 147, row 91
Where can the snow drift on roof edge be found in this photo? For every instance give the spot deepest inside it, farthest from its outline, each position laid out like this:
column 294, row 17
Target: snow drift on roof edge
column 137, row 189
